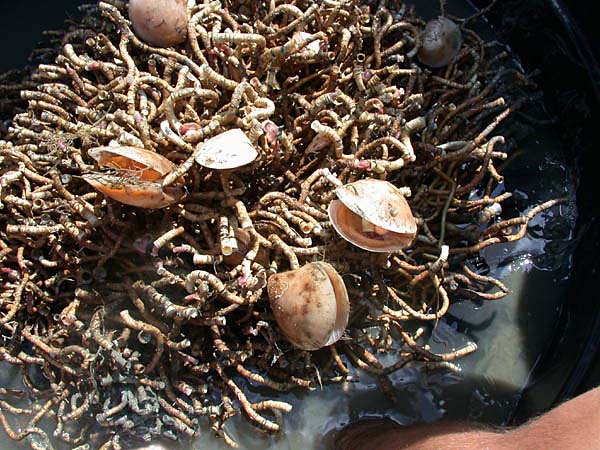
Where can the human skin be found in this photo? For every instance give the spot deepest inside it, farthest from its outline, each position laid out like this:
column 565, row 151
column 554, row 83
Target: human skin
column 574, row 425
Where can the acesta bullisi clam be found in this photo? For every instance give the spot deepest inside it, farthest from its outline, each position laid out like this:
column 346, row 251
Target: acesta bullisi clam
column 134, row 176
column 228, row 150
column 440, row 42
column 373, row 215
column 310, row 305
column 159, row 22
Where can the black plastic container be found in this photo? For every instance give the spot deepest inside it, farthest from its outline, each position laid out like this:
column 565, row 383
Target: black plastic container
column 560, row 40
column 549, row 38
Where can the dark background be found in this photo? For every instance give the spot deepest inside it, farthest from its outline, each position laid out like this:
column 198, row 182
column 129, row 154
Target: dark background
column 22, row 23
column 561, row 40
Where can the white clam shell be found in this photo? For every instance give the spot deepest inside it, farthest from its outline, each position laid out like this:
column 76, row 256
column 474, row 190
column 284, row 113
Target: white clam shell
column 380, row 204
column 227, row 150
column 310, row 305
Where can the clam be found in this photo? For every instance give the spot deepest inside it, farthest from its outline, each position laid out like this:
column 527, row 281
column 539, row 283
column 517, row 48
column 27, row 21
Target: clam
column 135, row 178
column 441, row 41
column 227, row 150
column 310, row 305
column 373, row 215
column 159, row 22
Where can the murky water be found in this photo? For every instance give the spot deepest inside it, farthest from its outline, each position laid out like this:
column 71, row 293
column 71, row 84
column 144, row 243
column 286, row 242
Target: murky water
column 511, row 333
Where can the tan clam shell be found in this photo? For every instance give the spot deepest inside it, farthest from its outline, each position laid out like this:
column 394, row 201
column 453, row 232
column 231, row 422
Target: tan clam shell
column 159, row 22
column 310, row 305
column 441, row 41
column 379, row 203
column 227, row 150
column 140, row 181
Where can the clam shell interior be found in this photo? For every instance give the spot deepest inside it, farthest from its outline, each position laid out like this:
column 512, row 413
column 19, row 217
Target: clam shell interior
column 143, row 194
column 145, row 164
column 137, row 182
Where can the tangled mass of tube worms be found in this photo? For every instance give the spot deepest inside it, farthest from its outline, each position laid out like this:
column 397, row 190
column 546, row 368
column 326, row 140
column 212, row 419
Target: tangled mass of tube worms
column 209, row 196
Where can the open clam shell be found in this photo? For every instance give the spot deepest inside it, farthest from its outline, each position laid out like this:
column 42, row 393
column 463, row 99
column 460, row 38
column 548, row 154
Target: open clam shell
column 227, row 150
column 310, row 305
column 151, row 165
column 135, row 178
column 373, row 215
column 135, row 193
